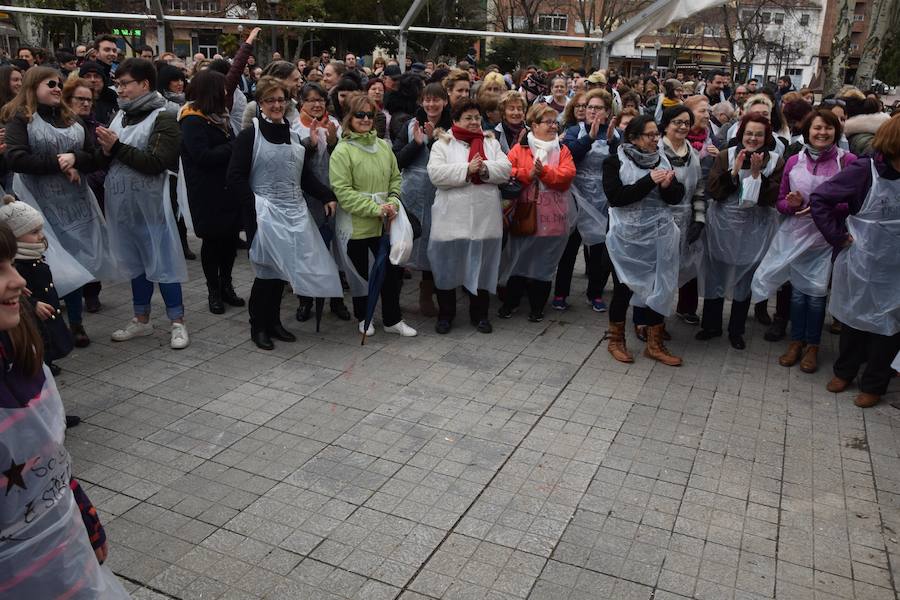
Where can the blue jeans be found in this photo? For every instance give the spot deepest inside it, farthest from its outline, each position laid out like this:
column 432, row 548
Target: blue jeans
column 807, row 317
column 74, row 306
column 142, row 293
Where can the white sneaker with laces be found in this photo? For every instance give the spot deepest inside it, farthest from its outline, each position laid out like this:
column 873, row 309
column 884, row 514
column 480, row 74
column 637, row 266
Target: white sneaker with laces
column 134, row 329
column 370, row 331
column 401, row 329
column 180, row 337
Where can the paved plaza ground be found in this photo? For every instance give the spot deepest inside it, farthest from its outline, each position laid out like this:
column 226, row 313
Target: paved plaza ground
column 522, row 464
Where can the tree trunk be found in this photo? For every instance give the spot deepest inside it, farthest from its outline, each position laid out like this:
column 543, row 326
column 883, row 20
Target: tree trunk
column 840, row 47
column 880, row 20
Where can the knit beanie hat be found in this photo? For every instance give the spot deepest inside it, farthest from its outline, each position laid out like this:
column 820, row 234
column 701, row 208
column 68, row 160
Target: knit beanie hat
column 20, row 217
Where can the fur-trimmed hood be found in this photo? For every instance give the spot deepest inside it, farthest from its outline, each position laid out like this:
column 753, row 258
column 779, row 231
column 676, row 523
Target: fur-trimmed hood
column 865, row 123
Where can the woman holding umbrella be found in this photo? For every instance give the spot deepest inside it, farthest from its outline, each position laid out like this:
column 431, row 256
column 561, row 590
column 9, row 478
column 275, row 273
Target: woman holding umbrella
column 269, row 168
column 366, row 180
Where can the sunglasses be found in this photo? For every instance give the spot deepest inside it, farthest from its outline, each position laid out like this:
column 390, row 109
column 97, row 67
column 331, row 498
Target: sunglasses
column 364, row 115
column 53, row 84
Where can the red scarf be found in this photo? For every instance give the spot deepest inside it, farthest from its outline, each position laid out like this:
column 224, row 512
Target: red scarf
column 307, row 119
column 697, row 139
column 475, row 139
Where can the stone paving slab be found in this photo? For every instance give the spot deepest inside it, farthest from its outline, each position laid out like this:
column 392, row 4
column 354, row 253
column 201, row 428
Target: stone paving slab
column 526, row 464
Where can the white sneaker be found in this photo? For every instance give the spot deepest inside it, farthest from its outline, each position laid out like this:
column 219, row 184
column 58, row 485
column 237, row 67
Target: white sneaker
column 134, row 329
column 180, row 337
column 370, row 331
column 401, row 329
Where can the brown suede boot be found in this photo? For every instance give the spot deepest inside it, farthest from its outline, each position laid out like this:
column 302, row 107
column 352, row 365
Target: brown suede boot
column 657, row 350
column 810, row 362
column 837, row 385
column 426, row 302
column 616, row 336
column 790, row 358
column 866, row 400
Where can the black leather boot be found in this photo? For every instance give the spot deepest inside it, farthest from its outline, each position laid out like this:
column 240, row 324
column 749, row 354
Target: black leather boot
column 261, row 338
column 216, row 306
column 229, row 296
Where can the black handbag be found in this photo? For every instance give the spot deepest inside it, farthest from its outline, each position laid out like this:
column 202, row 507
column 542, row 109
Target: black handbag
column 510, row 190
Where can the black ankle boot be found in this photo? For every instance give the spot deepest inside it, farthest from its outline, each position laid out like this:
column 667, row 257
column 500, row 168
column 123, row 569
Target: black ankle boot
column 216, row 306
column 228, row 294
column 261, row 338
column 278, row 332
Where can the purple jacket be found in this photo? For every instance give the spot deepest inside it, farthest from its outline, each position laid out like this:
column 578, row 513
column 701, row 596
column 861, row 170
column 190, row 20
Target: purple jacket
column 825, row 165
column 850, row 187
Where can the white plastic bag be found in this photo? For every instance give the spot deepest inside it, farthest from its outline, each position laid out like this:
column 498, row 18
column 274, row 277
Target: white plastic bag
column 401, row 238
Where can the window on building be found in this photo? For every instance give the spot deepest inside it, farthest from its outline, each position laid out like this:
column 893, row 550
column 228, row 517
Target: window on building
column 859, row 17
column 206, row 5
column 778, row 18
column 515, row 23
column 804, row 20
column 766, row 17
column 686, row 29
column 553, row 22
column 178, row 5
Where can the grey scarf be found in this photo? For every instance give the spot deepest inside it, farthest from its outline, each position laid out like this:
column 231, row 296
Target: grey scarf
column 146, row 103
column 645, row 160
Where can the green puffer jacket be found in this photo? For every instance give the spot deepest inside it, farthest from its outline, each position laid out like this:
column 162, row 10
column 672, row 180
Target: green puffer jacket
column 361, row 165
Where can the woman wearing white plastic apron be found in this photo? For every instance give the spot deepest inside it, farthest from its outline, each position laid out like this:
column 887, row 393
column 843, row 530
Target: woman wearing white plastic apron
column 798, row 253
column 743, row 183
column 366, row 181
column 268, row 168
column 690, row 213
column 643, row 238
column 48, row 548
column 48, row 150
column 546, row 170
column 466, row 165
column 413, row 148
column 144, row 141
column 589, row 147
column 865, row 287
column 320, row 133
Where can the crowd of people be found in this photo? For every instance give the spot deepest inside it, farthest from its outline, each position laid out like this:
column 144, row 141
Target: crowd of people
column 679, row 189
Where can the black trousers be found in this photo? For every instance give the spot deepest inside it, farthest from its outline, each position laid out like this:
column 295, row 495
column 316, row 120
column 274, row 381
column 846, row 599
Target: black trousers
column 358, row 253
column 478, row 305
column 92, row 289
column 598, row 268
column 618, row 306
column 265, row 303
column 217, row 257
column 877, row 351
column 712, row 315
column 537, row 291
column 688, row 300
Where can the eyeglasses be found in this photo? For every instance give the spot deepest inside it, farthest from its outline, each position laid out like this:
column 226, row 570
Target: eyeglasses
column 653, row 135
column 83, row 99
column 581, row 106
column 680, row 123
column 121, row 83
column 270, row 101
column 596, row 107
column 314, row 101
column 53, row 83
column 552, row 123
column 750, row 134
column 362, row 114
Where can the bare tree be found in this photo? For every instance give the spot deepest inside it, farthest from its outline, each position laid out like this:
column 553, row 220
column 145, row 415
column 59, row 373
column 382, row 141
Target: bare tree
column 840, row 47
column 603, row 15
column 883, row 19
column 520, row 15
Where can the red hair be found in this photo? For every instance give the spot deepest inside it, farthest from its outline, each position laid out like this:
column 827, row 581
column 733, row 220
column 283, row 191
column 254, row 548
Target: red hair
column 755, row 118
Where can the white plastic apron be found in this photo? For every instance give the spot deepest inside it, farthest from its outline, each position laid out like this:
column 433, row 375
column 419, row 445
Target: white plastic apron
column 142, row 230
column 318, row 163
column 643, row 243
column 587, row 190
column 537, row 256
column 798, row 253
column 44, row 547
column 865, row 288
column 78, row 249
column 691, row 255
column 184, row 206
column 287, row 244
column 418, row 197
column 738, row 233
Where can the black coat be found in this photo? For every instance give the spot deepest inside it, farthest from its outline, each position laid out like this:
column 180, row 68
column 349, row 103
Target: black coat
column 54, row 331
column 205, row 154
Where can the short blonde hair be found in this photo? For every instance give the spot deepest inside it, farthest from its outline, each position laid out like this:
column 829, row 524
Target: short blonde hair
column 512, row 96
column 850, row 91
column 602, row 94
column 357, row 102
column 757, row 99
column 268, row 84
column 454, row 76
column 537, row 112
